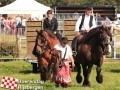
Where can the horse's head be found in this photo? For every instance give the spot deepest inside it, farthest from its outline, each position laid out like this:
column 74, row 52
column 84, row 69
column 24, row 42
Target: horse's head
column 104, row 37
column 105, row 34
column 44, row 41
column 100, row 36
column 50, row 37
column 41, row 44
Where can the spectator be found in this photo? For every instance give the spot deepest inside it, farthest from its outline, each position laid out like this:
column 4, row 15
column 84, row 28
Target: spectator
column 76, row 15
column 2, row 24
column 18, row 24
column 98, row 19
column 107, row 20
column 23, row 25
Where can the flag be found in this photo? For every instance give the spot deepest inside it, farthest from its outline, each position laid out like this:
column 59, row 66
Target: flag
column 10, row 83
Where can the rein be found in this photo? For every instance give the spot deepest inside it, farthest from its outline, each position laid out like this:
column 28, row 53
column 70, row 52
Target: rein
column 44, row 47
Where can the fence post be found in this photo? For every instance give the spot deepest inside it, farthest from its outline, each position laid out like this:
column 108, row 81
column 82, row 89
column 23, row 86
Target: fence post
column 114, row 47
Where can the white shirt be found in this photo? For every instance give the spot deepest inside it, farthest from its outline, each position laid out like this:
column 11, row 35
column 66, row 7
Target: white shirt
column 85, row 25
column 23, row 22
column 68, row 52
column 18, row 20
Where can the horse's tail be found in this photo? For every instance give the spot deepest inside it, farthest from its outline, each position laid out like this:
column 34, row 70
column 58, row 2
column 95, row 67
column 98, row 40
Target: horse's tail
column 74, row 45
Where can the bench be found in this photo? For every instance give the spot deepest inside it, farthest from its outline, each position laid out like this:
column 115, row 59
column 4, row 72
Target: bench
column 34, row 64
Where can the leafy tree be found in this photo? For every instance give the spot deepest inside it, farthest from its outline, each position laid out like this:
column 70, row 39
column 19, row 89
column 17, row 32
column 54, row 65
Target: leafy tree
column 53, row 3
column 5, row 2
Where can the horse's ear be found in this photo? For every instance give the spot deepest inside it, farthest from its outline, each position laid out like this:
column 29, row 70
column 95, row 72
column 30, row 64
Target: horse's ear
column 37, row 31
column 101, row 28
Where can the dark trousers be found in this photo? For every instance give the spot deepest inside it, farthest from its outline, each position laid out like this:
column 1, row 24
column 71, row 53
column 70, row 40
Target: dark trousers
column 59, row 36
column 74, row 43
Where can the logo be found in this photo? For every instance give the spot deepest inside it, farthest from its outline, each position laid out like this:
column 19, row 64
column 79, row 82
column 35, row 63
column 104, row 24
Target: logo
column 10, row 83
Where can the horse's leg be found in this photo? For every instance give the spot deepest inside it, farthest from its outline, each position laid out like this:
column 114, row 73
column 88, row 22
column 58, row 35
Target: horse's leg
column 49, row 71
column 42, row 64
column 86, row 74
column 99, row 77
column 55, row 70
column 78, row 77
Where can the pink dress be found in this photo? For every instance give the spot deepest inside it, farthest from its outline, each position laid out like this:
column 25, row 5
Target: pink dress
column 64, row 73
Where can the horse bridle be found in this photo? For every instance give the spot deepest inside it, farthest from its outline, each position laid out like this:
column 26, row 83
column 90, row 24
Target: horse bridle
column 42, row 45
column 104, row 41
column 46, row 46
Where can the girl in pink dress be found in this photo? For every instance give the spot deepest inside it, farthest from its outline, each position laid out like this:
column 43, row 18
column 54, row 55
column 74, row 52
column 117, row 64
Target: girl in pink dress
column 63, row 76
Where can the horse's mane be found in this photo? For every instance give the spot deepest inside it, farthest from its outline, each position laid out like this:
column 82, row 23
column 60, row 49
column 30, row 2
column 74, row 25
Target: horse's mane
column 50, row 33
column 95, row 30
column 92, row 34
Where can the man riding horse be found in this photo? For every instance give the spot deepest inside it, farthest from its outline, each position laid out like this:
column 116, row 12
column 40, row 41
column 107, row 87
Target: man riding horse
column 84, row 24
column 89, row 46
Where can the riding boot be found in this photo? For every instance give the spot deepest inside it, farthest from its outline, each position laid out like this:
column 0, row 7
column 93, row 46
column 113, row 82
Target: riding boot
column 74, row 45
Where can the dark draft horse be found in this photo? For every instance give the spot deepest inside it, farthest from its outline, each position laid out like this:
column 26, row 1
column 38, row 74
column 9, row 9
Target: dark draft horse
column 90, row 50
column 46, row 55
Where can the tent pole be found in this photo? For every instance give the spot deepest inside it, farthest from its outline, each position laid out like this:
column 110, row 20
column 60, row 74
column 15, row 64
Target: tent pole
column 0, row 28
column 0, row 22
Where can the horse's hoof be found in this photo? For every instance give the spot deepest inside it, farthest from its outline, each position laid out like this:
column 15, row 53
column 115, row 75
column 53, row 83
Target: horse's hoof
column 79, row 78
column 86, row 84
column 57, row 85
column 64, row 85
column 99, row 79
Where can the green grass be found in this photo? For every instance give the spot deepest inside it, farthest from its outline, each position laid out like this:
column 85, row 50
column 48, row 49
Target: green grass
column 22, row 71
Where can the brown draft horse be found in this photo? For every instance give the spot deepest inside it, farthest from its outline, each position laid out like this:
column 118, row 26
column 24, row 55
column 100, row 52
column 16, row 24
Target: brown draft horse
column 90, row 50
column 46, row 54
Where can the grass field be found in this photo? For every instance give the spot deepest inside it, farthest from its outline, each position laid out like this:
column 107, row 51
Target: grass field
column 22, row 71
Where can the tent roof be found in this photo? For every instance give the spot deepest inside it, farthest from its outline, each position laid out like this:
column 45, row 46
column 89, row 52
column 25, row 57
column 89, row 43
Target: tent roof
column 24, row 7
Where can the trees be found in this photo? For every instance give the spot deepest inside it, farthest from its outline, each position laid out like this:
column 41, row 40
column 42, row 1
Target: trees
column 5, row 2
column 53, row 3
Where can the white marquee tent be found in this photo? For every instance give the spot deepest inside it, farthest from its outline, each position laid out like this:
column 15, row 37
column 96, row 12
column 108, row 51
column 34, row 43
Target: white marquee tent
column 24, row 7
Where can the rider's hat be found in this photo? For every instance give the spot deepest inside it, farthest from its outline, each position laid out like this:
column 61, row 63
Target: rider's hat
column 88, row 7
column 49, row 12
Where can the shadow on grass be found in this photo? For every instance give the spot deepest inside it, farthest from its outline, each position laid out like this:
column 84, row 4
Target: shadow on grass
column 69, row 87
column 26, row 72
column 115, row 70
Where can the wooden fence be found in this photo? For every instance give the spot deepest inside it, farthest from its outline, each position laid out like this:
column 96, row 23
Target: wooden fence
column 32, row 26
column 69, row 29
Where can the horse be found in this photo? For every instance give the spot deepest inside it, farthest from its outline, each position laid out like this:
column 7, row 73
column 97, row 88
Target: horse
column 46, row 54
column 90, row 51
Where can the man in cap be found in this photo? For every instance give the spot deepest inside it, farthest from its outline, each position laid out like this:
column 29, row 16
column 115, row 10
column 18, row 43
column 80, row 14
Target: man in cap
column 83, row 25
column 85, row 22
